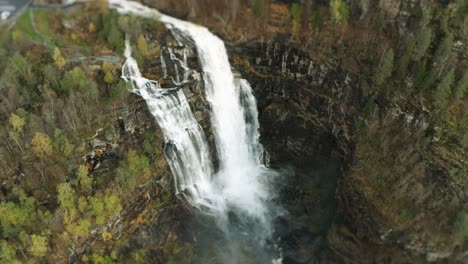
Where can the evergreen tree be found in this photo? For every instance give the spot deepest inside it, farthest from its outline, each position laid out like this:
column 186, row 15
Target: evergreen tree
column 406, row 58
column 442, row 94
column 422, row 44
column 115, row 39
column 462, row 87
column 385, row 68
column 315, row 21
column 421, row 75
column 444, row 49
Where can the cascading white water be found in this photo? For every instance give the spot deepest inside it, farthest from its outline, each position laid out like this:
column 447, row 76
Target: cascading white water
column 186, row 146
column 240, row 184
column 234, row 121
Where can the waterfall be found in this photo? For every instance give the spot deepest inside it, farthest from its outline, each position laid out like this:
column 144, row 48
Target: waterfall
column 240, row 185
column 186, row 147
column 234, row 121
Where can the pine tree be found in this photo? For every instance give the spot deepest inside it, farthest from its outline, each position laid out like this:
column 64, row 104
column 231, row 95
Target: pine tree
column 444, row 49
column 421, row 75
column 315, row 21
column 115, row 38
column 442, row 94
column 462, row 87
column 406, row 58
column 422, row 44
column 385, row 68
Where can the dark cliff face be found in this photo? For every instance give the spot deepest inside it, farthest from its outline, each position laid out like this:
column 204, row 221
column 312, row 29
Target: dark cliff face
column 304, row 129
column 349, row 199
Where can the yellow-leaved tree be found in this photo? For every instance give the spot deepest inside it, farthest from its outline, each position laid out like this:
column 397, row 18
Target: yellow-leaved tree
column 339, row 11
column 17, row 122
column 41, row 145
column 59, row 60
column 85, row 181
column 39, row 246
column 109, row 70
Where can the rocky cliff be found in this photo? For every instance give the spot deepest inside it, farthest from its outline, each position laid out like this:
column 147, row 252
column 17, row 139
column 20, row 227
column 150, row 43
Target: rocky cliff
column 368, row 193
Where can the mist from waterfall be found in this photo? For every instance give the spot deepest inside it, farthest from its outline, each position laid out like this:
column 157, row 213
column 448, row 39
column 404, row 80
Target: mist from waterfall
column 237, row 194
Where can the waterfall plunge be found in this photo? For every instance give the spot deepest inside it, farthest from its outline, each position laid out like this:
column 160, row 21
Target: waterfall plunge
column 234, row 121
column 240, row 185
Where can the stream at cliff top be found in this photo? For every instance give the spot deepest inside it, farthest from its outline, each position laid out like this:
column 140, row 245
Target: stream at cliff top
column 237, row 194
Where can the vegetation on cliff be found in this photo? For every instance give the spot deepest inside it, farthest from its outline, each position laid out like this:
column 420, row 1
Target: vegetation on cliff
column 66, row 173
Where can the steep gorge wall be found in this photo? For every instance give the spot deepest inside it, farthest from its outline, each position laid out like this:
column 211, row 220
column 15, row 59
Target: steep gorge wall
column 385, row 186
